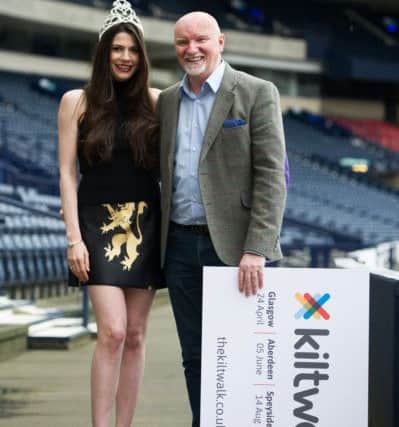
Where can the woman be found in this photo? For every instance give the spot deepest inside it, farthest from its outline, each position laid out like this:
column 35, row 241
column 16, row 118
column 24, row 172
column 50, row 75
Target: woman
column 112, row 221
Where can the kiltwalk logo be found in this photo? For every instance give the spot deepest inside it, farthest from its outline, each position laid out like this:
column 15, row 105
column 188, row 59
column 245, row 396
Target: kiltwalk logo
column 312, row 306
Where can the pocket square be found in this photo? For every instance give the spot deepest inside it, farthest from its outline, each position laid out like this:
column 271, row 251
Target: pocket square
column 233, row 123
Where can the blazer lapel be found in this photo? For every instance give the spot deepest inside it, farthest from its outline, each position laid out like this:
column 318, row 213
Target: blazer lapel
column 170, row 129
column 223, row 102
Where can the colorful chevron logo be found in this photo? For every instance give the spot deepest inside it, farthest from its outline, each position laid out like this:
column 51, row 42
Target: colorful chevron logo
column 312, row 306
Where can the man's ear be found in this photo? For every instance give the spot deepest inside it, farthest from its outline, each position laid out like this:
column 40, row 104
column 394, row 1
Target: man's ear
column 221, row 42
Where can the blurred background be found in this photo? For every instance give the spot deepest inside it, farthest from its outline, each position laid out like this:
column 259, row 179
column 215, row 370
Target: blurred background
column 335, row 63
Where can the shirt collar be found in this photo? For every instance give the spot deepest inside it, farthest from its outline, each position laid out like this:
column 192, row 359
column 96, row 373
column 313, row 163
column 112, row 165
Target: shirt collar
column 213, row 81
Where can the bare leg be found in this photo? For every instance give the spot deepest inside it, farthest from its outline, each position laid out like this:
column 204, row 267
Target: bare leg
column 138, row 302
column 110, row 308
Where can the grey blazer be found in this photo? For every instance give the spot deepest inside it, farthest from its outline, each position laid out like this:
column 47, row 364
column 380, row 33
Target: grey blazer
column 241, row 170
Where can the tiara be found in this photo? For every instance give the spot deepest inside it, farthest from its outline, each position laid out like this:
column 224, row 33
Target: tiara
column 121, row 12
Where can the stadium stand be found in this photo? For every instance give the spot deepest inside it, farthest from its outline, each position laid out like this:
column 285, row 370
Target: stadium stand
column 334, row 140
column 353, row 211
column 375, row 131
column 273, row 17
column 32, row 242
column 140, row 6
column 28, row 136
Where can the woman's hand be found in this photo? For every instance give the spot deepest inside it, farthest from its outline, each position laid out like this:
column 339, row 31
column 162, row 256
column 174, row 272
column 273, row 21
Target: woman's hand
column 78, row 260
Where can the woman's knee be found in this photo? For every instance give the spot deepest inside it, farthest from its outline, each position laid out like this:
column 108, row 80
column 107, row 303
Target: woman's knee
column 112, row 337
column 135, row 336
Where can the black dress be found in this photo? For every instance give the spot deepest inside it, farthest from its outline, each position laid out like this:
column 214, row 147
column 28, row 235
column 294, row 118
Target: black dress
column 119, row 218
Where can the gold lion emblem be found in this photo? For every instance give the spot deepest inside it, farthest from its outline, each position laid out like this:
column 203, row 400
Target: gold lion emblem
column 121, row 217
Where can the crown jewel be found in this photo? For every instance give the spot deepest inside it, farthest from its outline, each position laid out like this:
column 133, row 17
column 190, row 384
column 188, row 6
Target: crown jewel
column 121, row 12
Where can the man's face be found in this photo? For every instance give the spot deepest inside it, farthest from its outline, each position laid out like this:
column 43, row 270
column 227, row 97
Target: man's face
column 198, row 46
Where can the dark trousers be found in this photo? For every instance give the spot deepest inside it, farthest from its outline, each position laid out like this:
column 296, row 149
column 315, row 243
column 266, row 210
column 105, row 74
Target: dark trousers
column 187, row 252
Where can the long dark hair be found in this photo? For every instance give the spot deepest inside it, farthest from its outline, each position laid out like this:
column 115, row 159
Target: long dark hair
column 101, row 119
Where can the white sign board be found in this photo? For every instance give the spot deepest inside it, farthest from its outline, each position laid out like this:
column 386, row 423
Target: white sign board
column 294, row 355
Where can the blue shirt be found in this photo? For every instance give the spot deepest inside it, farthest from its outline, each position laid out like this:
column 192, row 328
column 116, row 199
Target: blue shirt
column 194, row 112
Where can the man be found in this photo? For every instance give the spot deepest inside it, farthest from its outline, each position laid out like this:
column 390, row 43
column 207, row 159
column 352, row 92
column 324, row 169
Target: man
column 222, row 171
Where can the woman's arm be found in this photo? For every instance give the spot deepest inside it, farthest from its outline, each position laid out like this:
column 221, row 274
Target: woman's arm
column 71, row 108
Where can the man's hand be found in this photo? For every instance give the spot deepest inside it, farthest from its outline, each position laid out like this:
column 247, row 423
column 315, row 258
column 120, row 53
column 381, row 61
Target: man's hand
column 250, row 275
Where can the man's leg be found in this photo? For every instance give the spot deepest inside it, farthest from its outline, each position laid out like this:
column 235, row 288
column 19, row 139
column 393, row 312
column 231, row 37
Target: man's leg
column 186, row 254
column 183, row 277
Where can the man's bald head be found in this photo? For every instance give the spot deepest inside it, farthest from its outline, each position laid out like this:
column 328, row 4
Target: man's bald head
column 199, row 44
column 198, row 18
